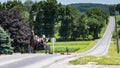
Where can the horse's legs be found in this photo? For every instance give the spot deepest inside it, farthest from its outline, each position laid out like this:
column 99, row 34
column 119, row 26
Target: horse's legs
column 47, row 49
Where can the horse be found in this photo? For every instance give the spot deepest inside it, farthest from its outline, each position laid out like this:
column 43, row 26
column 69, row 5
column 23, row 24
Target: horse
column 38, row 44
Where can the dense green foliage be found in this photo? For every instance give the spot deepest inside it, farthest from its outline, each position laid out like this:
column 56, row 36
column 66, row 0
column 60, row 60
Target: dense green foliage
column 71, row 23
column 112, row 10
column 5, row 42
column 96, row 21
column 66, row 23
column 19, row 30
column 46, row 15
column 118, row 8
column 84, row 6
column 17, row 5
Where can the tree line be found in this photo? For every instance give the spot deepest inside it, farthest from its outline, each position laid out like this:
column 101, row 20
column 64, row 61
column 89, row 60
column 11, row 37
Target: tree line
column 114, row 8
column 50, row 18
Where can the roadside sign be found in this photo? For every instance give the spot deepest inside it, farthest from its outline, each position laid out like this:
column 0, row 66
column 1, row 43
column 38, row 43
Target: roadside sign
column 53, row 40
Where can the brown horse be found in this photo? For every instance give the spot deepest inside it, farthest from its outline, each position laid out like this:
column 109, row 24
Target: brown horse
column 37, row 43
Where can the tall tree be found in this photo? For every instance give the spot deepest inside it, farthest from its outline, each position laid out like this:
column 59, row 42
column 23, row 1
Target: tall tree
column 16, row 5
column 50, row 15
column 11, row 4
column 43, row 16
column 66, row 23
column 112, row 10
column 17, row 27
column 33, row 14
column 94, row 27
column 118, row 8
column 82, row 27
column 39, row 21
column 96, row 21
column 5, row 42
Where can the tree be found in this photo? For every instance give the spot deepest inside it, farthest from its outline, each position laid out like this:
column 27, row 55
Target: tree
column 1, row 6
column 39, row 21
column 96, row 21
column 94, row 27
column 11, row 4
column 112, row 10
column 82, row 27
column 5, row 42
column 16, row 5
column 50, row 9
column 17, row 27
column 79, row 27
column 118, row 8
column 97, row 13
column 28, row 4
column 33, row 13
column 43, row 17
column 66, row 23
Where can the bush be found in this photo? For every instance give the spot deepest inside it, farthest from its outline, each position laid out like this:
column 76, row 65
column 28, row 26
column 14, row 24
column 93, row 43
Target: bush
column 17, row 27
column 5, row 43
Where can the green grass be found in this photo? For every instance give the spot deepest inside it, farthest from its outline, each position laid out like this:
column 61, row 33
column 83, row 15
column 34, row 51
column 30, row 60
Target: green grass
column 118, row 18
column 111, row 59
column 73, row 46
column 88, row 47
column 103, row 31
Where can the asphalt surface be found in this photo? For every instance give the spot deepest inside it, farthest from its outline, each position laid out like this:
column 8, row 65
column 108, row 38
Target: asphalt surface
column 23, row 60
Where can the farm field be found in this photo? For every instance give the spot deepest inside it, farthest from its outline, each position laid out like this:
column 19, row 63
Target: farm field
column 73, row 46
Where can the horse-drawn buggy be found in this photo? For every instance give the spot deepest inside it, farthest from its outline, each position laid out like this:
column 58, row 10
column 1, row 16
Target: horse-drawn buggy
column 37, row 43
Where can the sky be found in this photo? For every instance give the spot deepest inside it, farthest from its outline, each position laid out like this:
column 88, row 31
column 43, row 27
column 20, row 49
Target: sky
column 89, row 1
column 65, row 2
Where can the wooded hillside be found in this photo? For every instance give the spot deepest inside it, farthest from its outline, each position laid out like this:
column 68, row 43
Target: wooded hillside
column 84, row 6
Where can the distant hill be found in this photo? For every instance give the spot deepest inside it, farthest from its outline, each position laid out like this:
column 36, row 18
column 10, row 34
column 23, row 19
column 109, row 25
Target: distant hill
column 84, row 6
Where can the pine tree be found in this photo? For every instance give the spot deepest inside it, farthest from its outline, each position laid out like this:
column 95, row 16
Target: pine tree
column 5, row 42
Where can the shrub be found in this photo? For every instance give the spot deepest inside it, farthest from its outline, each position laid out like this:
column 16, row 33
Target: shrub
column 5, row 43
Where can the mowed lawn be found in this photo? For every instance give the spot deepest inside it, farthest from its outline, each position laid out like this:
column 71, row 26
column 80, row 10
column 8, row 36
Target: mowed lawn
column 73, row 46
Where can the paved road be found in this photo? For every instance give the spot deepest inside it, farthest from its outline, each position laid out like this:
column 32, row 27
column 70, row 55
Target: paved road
column 21, row 61
column 100, row 49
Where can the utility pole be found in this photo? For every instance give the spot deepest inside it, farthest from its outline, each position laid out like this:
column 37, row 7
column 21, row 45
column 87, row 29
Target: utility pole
column 117, row 38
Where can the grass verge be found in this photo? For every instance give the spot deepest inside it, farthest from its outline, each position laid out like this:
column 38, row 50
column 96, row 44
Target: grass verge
column 111, row 59
column 103, row 31
column 92, row 44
